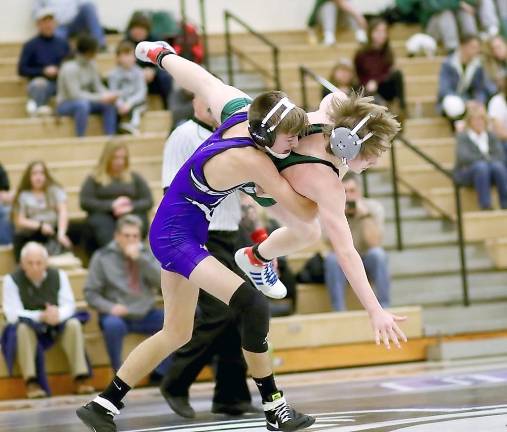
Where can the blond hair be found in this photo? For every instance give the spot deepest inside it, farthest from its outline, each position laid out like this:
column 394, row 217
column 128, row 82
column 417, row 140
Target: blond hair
column 349, row 112
column 102, row 171
column 294, row 123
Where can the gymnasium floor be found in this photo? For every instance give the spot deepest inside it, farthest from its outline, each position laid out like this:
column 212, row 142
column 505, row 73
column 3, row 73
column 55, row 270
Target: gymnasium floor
column 420, row 397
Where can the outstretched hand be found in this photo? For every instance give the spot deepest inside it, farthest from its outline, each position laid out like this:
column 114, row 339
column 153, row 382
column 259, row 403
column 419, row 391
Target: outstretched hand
column 386, row 329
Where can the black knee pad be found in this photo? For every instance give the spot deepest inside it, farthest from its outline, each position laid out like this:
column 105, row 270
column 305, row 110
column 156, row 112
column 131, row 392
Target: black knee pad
column 253, row 310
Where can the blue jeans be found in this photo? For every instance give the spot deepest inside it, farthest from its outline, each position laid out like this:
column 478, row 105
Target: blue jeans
column 375, row 264
column 6, row 230
column 41, row 90
column 86, row 21
column 481, row 175
column 80, row 109
column 116, row 328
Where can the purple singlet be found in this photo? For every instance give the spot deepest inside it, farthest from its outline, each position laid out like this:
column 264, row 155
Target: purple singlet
column 180, row 227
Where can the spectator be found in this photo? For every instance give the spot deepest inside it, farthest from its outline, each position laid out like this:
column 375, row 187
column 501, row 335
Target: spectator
column 40, row 211
column 461, row 79
column 112, row 191
column 480, row 159
column 159, row 81
column 440, row 18
column 366, row 220
column 325, row 13
column 80, row 91
column 6, row 197
column 343, row 77
column 40, row 62
column 495, row 64
column 123, row 279
column 497, row 111
column 39, row 301
column 127, row 81
column 216, row 332
column 490, row 18
column 375, row 66
column 74, row 17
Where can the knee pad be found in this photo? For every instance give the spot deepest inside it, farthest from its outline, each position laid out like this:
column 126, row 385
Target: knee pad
column 252, row 308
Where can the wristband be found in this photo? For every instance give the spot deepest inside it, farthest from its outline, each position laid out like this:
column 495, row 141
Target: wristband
column 161, row 55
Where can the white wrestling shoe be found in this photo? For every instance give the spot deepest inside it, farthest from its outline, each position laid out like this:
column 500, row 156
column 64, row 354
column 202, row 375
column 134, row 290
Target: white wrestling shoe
column 262, row 275
column 149, row 51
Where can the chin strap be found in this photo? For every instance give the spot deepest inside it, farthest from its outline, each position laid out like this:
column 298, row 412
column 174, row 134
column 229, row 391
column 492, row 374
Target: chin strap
column 277, row 155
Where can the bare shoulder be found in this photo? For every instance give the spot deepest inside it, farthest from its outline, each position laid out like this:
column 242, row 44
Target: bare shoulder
column 317, row 182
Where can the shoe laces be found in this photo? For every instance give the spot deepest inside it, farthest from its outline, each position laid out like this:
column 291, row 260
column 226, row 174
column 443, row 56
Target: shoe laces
column 283, row 412
column 270, row 274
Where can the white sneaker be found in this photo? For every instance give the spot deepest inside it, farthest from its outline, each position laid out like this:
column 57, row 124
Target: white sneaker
column 263, row 276
column 31, row 108
column 44, row 111
column 329, row 39
column 148, row 51
column 361, row 36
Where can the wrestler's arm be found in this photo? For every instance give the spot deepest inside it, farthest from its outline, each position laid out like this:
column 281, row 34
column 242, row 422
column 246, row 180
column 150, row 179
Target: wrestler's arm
column 260, row 170
column 327, row 191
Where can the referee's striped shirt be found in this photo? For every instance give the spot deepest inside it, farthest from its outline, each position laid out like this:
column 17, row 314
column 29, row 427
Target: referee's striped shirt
column 178, row 148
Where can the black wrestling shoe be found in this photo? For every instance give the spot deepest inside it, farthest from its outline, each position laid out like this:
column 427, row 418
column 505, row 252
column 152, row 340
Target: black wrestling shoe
column 179, row 404
column 281, row 417
column 97, row 418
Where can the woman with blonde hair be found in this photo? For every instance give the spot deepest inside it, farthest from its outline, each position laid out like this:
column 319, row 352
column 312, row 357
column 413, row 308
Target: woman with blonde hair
column 480, row 159
column 111, row 191
column 39, row 210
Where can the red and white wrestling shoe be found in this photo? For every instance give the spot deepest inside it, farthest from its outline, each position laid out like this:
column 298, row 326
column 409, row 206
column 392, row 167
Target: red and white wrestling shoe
column 149, row 52
column 262, row 275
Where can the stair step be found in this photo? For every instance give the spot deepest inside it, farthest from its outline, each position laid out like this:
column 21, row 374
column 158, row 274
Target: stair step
column 457, row 350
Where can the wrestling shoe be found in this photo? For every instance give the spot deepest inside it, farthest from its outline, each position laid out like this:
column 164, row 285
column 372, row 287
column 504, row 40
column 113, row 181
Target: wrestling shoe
column 281, row 417
column 98, row 418
column 262, row 275
column 153, row 52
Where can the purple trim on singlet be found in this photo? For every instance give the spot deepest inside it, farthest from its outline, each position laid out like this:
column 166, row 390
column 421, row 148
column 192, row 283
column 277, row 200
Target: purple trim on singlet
column 180, row 227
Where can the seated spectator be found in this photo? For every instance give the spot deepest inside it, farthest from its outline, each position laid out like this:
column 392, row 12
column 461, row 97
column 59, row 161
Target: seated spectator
column 80, row 91
column 375, row 67
column 325, row 13
column 440, row 19
column 39, row 303
column 491, row 18
column 461, row 79
column 159, row 81
column 495, row 64
column 127, row 80
column 112, row 191
column 366, row 220
column 123, row 280
column 40, row 62
column 6, row 197
column 480, row 159
column 497, row 112
column 343, row 77
column 74, row 17
column 39, row 211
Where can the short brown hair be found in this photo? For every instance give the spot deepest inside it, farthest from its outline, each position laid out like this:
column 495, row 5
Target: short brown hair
column 125, row 47
column 349, row 112
column 295, row 122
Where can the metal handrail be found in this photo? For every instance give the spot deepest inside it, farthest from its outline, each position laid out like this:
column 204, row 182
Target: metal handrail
column 459, row 208
column 228, row 44
column 303, row 73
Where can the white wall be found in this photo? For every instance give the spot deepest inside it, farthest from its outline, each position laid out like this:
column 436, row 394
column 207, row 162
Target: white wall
column 263, row 15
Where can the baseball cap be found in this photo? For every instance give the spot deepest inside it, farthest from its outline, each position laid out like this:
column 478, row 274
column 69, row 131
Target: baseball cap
column 44, row 13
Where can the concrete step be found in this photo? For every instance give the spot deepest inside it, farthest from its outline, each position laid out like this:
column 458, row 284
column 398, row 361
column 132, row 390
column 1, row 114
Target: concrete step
column 447, row 289
column 420, row 233
column 458, row 320
column 436, row 260
column 458, row 350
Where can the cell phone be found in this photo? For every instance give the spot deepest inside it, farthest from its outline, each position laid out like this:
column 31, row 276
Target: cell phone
column 350, row 206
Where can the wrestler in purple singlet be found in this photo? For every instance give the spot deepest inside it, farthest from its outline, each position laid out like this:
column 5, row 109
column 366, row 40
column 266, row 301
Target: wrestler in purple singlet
column 180, row 227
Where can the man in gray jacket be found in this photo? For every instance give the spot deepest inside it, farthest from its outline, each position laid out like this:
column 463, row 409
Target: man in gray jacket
column 123, row 279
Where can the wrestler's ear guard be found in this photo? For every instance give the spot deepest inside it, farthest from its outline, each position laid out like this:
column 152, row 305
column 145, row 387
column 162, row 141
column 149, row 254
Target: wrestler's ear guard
column 263, row 134
column 345, row 143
